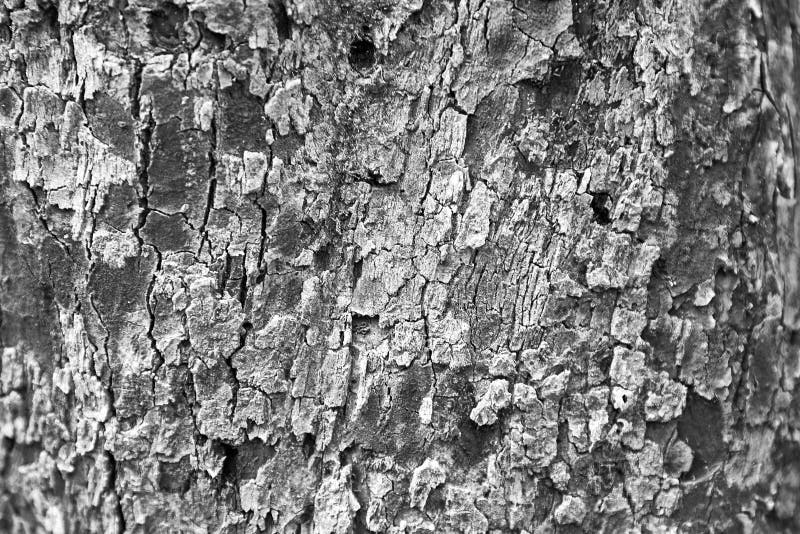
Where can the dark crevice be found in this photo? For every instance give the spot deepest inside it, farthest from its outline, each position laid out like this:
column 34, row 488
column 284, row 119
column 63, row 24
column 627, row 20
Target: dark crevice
column 362, row 51
column 224, row 274
column 374, row 179
column 283, row 23
column 112, row 487
column 145, row 135
column 262, row 249
column 358, row 266
column 309, row 445
column 244, row 330
column 601, row 207
column 159, row 357
column 243, row 283
column 212, row 184
column 228, row 473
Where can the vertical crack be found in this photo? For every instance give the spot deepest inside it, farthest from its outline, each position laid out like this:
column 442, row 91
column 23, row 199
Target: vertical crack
column 243, row 282
column 245, row 329
column 144, row 136
column 794, row 150
column 159, row 357
column 212, row 182
column 112, row 487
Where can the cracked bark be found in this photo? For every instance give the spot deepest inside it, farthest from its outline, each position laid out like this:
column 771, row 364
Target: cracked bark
column 418, row 266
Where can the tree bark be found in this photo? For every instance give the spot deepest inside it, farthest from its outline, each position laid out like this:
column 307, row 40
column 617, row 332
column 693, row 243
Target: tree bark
column 417, row 266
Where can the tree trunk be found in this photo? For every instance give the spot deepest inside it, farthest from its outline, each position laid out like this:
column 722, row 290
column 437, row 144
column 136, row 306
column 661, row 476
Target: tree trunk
column 327, row 266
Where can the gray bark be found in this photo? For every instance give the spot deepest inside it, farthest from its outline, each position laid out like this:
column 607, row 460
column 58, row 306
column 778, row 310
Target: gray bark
column 329, row 266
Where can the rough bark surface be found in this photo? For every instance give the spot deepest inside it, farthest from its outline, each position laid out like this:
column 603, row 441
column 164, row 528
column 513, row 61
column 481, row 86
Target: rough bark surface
column 416, row 266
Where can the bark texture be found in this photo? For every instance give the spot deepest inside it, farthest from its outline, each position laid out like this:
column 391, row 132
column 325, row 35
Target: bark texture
column 331, row 266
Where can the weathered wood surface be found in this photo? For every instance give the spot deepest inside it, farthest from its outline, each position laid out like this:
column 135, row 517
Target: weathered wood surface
column 399, row 266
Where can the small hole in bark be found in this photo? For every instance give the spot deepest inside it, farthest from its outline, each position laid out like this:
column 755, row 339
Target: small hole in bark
column 601, row 206
column 229, row 462
column 309, row 445
column 247, row 326
column 362, row 52
column 358, row 266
